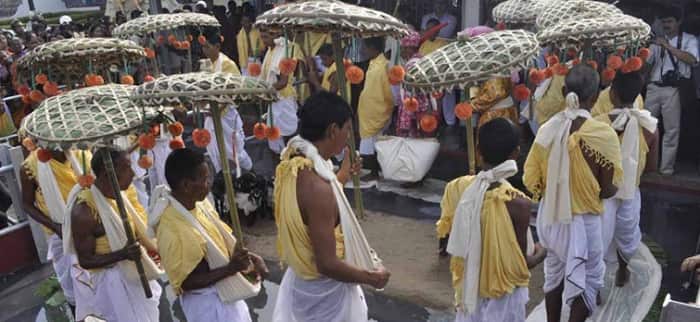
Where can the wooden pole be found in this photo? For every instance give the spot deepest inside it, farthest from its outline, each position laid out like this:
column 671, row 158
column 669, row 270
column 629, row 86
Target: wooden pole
column 111, row 172
column 226, row 169
column 470, row 146
column 340, row 77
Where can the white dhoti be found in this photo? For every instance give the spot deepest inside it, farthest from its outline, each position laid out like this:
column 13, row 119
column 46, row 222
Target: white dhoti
column 621, row 231
column 139, row 176
column 508, row 308
column 319, row 300
column 284, row 116
column 84, row 292
column 119, row 299
column 204, row 305
column 574, row 256
column 62, row 266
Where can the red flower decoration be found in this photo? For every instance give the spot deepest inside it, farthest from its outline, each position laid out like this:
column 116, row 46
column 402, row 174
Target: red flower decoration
column 147, row 141
column 410, row 104
column 521, row 92
column 644, row 53
column 201, row 138
column 428, row 123
column 464, row 110
column 273, row 133
column 608, row 74
column 145, row 162
column 176, row 129
column 536, row 76
column 615, row 62
column 260, row 131
column 177, row 143
column 560, row 69
column 43, row 155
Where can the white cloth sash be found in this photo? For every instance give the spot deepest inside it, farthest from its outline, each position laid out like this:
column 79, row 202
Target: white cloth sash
column 230, row 289
column 465, row 236
column 629, row 120
column 357, row 250
column 555, row 134
column 55, row 205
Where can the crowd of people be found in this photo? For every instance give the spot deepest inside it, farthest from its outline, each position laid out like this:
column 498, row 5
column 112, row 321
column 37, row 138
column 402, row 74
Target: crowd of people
column 584, row 169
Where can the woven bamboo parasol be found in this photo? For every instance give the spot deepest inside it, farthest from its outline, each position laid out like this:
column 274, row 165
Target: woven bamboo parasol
column 218, row 90
column 88, row 117
column 602, row 32
column 519, row 11
column 469, row 61
column 561, row 10
column 68, row 60
column 155, row 23
column 341, row 20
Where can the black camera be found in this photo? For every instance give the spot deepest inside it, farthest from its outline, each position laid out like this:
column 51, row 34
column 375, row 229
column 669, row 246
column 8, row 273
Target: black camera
column 671, row 78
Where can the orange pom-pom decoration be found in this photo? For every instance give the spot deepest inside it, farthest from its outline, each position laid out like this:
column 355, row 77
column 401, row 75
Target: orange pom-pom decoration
column 185, row 44
column 536, row 76
column 43, row 155
column 552, row 60
column 634, row 63
column 202, row 40
column 26, row 99
column 410, row 104
column 86, row 181
column 521, row 92
column 259, row 130
column 287, row 66
column 36, row 96
column 176, row 129
column 41, row 79
column 201, row 138
column 148, row 78
column 593, row 64
column 50, row 88
column 28, row 144
column 23, row 90
column 560, row 69
column 608, row 74
column 172, row 39
column 464, row 110
column 615, row 62
column 177, row 143
column 625, row 69
column 150, row 53
column 644, row 53
column 127, row 80
column 273, row 133
column 355, row 75
column 397, row 73
column 147, row 141
column 254, row 69
column 98, row 80
column 548, row 73
column 428, row 123
column 145, row 162
column 347, row 63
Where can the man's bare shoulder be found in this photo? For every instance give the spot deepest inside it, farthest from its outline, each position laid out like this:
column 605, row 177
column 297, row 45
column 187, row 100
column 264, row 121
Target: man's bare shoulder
column 311, row 186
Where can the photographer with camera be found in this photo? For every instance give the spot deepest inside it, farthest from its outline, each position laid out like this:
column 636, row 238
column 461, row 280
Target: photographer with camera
column 673, row 56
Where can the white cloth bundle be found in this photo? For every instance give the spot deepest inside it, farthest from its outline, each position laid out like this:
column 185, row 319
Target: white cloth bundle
column 114, row 229
column 406, row 159
column 357, row 250
column 55, row 205
column 465, row 236
column 629, row 120
column 555, row 135
column 230, row 289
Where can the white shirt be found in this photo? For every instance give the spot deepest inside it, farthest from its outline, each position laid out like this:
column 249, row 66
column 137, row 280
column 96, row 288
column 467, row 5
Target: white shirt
column 661, row 61
column 446, row 32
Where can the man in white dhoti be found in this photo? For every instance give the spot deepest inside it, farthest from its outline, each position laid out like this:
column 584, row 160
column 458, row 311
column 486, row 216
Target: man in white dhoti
column 95, row 233
column 573, row 164
column 327, row 262
column 638, row 139
column 197, row 249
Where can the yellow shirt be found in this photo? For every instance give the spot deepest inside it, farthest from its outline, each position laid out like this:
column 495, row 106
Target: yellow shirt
column 181, row 246
column 65, row 175
column 643, row 146
column 242, row 43
column 101, row 243
column 429, row 46
column 7, row 124
column 326, row 81
column 604, row 105
column 227, row 65
column 595, row 139
column 270, row 64
column 552, row 102
column 503, row 265
column 376, row 100
column 293, row 241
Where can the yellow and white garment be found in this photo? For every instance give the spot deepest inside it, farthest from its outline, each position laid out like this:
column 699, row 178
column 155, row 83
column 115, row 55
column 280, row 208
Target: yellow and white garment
column 631, row 121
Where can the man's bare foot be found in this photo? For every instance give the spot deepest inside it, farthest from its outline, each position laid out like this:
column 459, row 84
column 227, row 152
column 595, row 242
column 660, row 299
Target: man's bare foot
column 622, row 276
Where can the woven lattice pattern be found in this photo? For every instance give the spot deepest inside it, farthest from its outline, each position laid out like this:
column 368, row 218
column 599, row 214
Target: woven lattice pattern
column 469, row 61
column 519, row 11
column 75, row 57
column 207, row 87
column 154, row 23
column 602, row 32
column 331, row 16
column 565, row 10
column 85, row 117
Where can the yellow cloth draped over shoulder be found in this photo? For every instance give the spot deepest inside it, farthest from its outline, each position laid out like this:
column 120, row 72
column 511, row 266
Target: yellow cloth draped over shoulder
column 491, row 93
column 293, row 241
column 271, row 63
column 181, row 246
column 643, row 146
column 594, row 139
column 429, row 46
column 604, row 104
column 244, row 52
column 503, row 265
column 376, row 102
column 326, row 81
